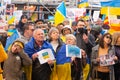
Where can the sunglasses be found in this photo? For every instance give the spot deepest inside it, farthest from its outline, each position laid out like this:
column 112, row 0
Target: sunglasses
column 108, row 37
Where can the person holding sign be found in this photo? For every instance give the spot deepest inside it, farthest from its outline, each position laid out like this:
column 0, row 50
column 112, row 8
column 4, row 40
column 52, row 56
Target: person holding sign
column 102, row 57
column 33, row 48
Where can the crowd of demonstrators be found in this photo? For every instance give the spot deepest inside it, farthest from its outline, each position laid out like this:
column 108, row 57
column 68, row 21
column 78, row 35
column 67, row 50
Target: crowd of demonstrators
column 93, row 40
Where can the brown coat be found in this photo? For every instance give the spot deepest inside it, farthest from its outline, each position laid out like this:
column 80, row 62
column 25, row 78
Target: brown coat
column 13, row 65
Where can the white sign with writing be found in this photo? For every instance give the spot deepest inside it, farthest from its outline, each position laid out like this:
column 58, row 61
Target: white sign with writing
column 45, row 55
column 106, row 60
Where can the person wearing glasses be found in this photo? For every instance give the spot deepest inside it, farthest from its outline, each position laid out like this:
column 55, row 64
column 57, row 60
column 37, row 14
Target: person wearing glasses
column 28, row 31
column 101, row 69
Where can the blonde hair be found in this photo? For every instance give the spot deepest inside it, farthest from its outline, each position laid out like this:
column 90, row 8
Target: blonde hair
column 71, row 36
column 115, row 37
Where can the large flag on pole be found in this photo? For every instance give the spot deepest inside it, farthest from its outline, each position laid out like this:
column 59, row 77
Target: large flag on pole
column 60, row 13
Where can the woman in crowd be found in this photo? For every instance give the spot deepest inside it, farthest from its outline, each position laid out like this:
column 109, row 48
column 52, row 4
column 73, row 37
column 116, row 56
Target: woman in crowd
column 116, row 43
column 65, row 30
column 103, row 49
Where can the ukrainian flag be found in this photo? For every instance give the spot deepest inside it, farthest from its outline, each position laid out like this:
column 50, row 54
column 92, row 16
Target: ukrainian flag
column 60, row 14
column 86, row 70
column 83, row 4
column 111, row 7
column 11, row 39
column 10, row 32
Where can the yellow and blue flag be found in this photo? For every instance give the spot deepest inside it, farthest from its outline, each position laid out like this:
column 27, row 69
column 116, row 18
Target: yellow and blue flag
column 11, row 39
column 60, row 13
column 10, row 32
column 86, row 70
column 111, row 7
column 83, row 4
column 111, row 3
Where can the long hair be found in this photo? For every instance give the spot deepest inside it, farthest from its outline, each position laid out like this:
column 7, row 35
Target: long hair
column 101, row 42
column 115, row 37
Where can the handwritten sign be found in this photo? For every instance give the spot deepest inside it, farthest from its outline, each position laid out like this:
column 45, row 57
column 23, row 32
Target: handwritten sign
column 106, row 60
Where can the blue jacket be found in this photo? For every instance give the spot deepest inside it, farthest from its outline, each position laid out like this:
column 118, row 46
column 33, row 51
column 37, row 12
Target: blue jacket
column 30, row 48
column 61, row 56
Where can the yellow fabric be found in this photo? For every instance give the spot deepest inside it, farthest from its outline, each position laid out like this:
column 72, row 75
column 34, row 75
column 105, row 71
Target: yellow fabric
column 86, row 71
column 83, row 5
column 54, row 73
column 19, row 43
column 61, row 72
column 1, row 77
column 11, row 20
column 28, row 71
column 3, row 56
column 64, row 71
column 110, row 10
column 59, row 18
column 63, row 38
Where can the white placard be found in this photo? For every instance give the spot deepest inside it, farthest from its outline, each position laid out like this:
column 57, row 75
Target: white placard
column 106, row 60
column 73, row 51
column 72, row 13
column 96, row 15
column 45, row 55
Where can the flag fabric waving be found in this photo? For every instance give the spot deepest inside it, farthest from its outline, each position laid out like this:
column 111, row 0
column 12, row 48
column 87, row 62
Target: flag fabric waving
column 11, row 39
column 83, row 3
column 60, row 13
column 111, row 3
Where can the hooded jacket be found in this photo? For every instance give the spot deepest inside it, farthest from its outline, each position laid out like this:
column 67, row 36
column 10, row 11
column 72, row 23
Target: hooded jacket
column 13, row 65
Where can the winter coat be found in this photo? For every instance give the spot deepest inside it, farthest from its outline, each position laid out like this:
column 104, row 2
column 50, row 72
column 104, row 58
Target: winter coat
column 39, row 71
column 94, row 63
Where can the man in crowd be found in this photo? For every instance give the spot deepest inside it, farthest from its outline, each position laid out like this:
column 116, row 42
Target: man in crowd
column 36, row 44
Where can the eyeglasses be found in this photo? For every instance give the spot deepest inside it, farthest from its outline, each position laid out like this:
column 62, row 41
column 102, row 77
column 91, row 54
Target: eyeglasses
column 108, row 37
column 32, row 29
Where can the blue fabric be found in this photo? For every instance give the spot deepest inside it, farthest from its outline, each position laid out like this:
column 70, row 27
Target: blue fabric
column 112, row 3
column 61, row 56
column 62, row 9
column 30, row 47
column 11, row 39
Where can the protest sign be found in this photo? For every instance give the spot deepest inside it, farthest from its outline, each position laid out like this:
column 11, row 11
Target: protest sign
column 73, row 51
column 2, row 19
column 106, row 60
column 45, row 55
